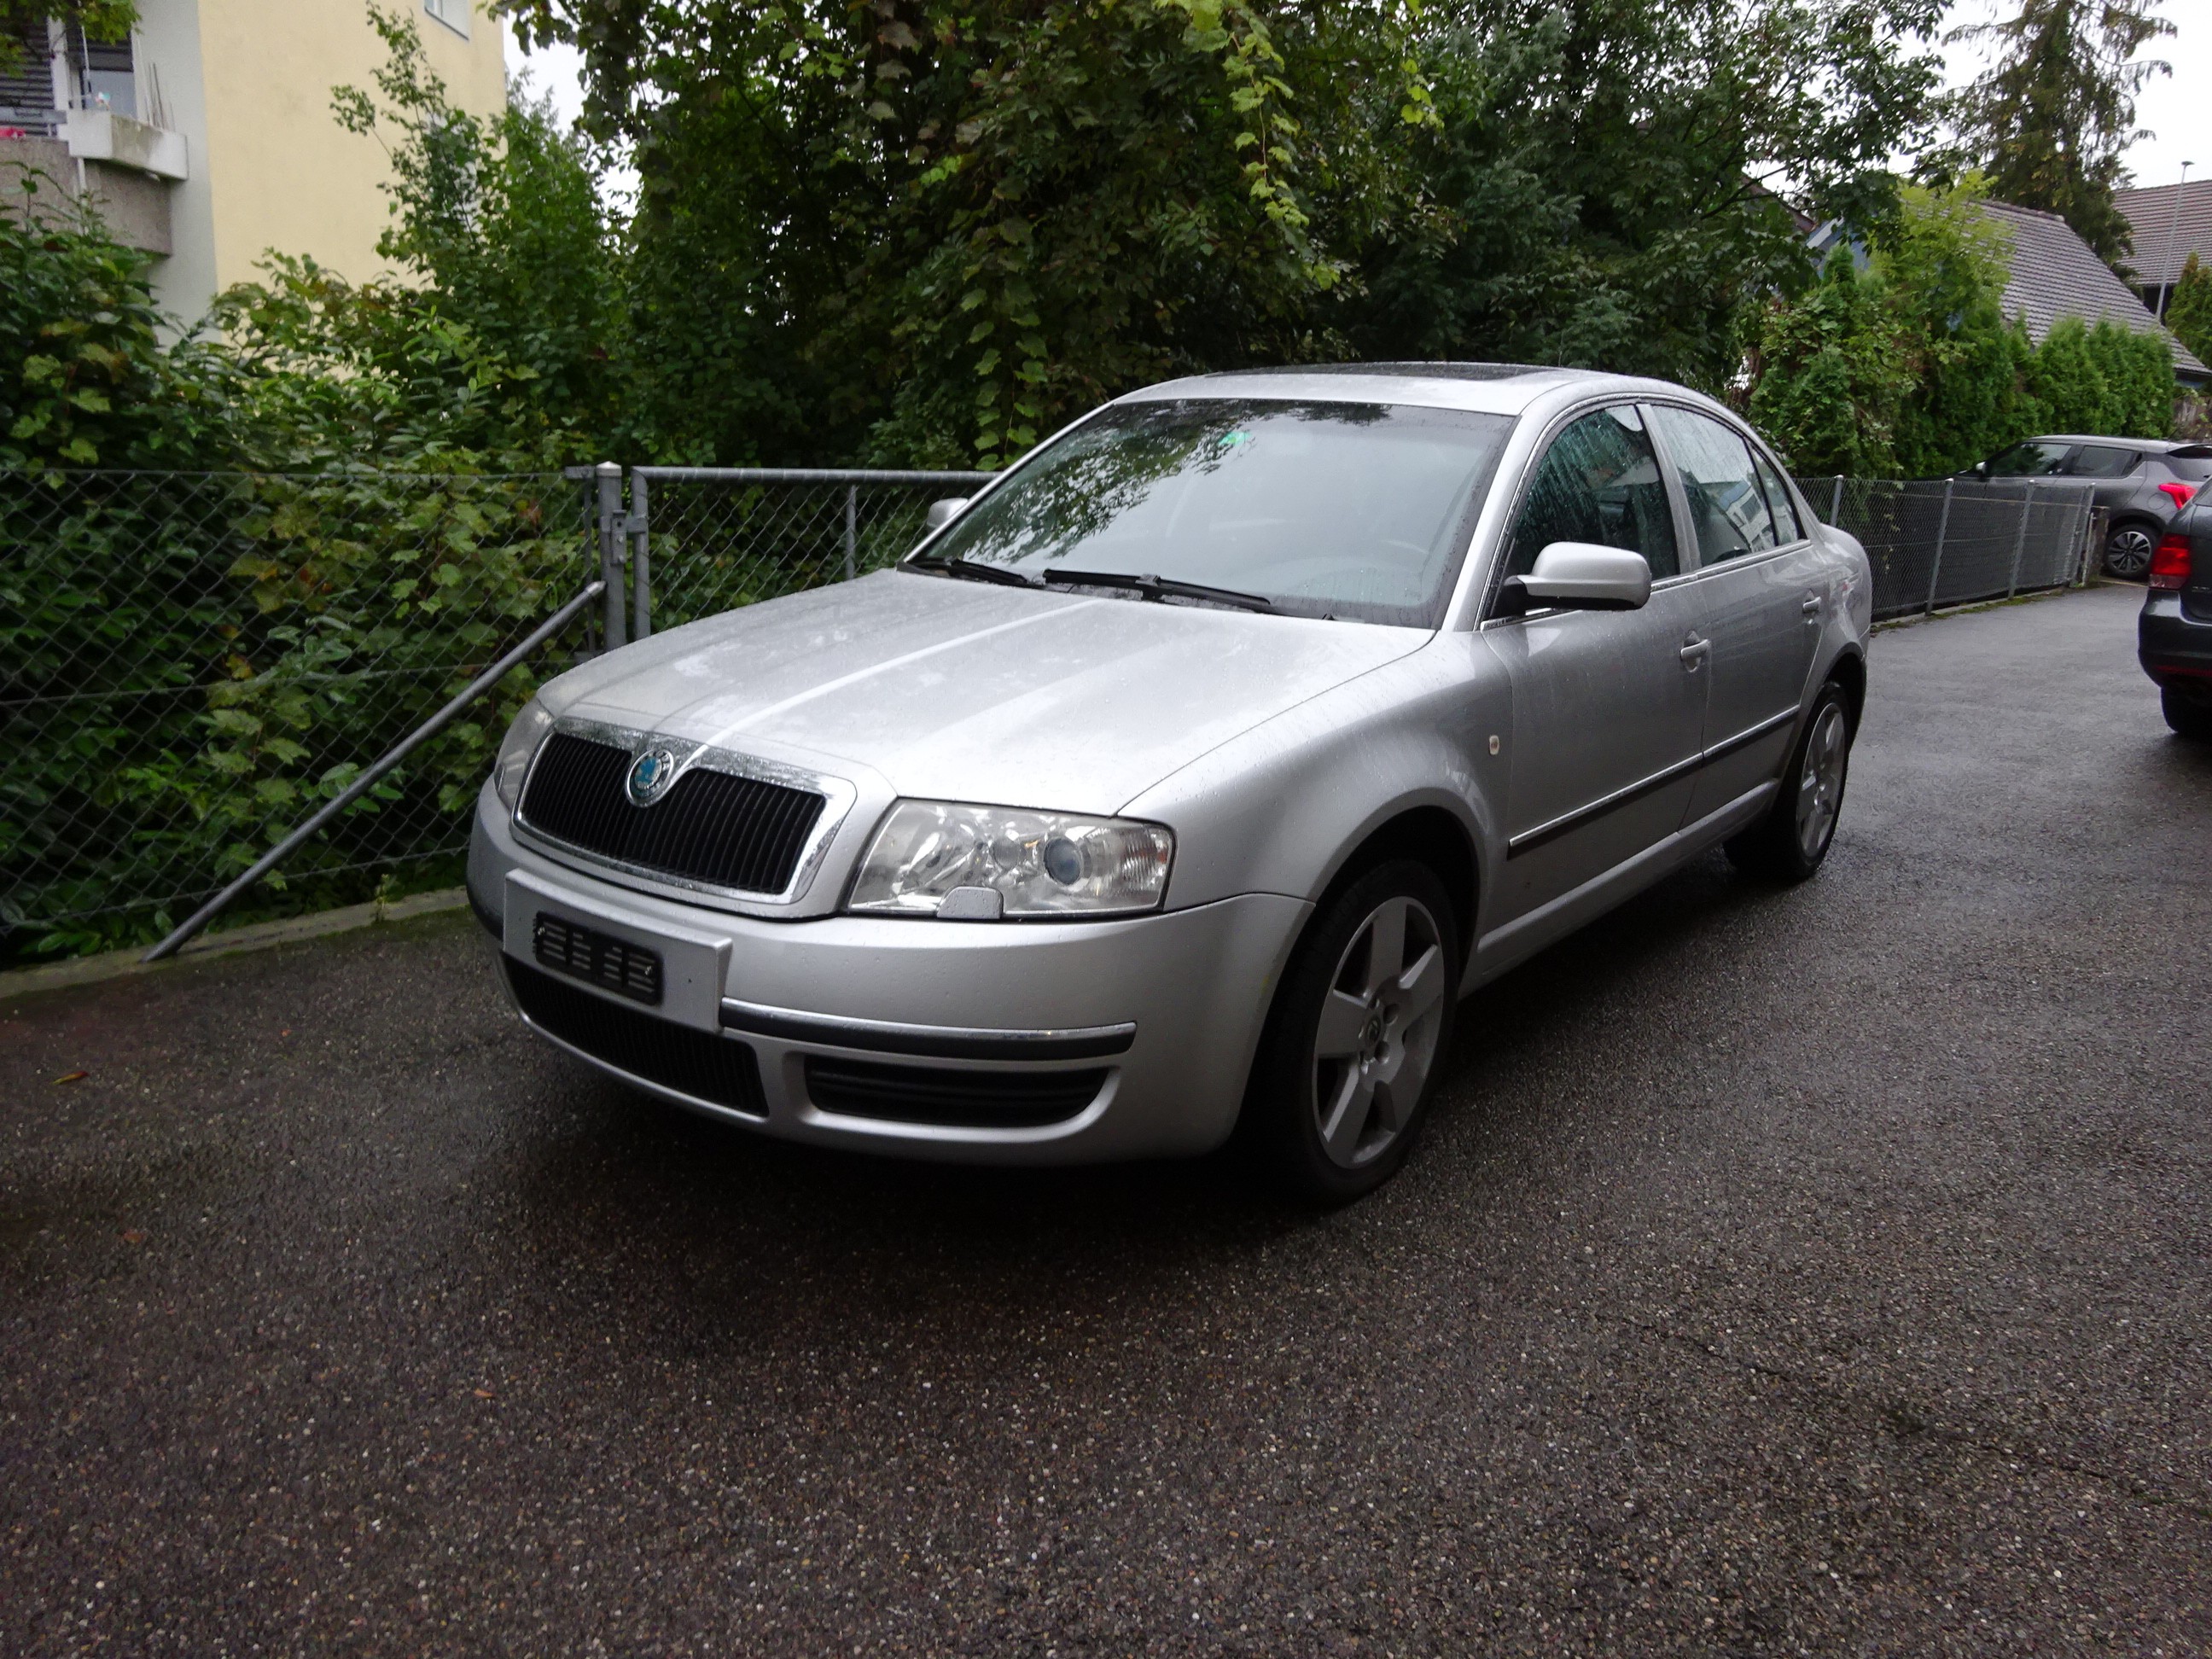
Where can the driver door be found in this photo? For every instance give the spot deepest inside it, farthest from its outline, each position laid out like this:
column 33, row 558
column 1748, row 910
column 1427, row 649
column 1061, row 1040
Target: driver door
column 1608, row 706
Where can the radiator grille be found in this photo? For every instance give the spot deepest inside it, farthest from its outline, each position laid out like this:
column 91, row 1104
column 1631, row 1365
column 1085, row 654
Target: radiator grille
column 952, row 1099
column 714, row 827
column 679, row 1057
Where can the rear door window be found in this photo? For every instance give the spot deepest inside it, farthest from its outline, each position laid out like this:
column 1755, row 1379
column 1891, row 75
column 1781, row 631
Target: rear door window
column 1777, row 500
column 2102, row 461
column 1728, row 509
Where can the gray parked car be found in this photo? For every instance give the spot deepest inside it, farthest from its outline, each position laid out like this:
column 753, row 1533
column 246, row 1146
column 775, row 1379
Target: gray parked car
column 1188, row 776
column 2142, row 482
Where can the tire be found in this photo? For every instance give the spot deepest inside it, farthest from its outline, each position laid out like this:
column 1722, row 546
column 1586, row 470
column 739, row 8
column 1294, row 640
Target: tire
column 1792, row 840
column 2190, row 716
column 2129, row 549
column 1350, row 1059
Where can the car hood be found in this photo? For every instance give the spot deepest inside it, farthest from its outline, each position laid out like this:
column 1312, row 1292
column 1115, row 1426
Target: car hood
column 966, row 691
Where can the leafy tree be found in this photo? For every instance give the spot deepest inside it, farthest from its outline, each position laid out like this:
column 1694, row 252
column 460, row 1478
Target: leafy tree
column 2049, row 121
column 1942, row 265
column 1602, row 187
column 1833, row 375
column 2189, row 311
column 501, row 220
column 100, row 20
column 1006, row 214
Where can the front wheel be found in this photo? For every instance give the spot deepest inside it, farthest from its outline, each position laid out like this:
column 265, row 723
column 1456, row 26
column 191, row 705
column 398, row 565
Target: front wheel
column 1792, row 841
column 1357, row 1035
column 2128, row 550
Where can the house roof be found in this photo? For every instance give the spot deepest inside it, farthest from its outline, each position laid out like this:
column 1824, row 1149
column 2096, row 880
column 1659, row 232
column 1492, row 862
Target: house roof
column 2164, row 243
column 2053, row 273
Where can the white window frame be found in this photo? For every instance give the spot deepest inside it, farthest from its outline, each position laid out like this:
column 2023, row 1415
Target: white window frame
column 454, row 14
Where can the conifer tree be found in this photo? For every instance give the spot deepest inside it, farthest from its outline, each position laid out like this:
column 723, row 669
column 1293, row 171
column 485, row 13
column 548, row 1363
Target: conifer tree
column 2049, row 122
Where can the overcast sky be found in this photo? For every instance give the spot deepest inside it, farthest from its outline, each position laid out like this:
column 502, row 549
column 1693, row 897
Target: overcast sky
column 2177, row 108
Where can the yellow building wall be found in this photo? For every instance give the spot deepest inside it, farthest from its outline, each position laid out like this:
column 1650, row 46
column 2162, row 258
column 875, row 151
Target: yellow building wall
column 282, row 173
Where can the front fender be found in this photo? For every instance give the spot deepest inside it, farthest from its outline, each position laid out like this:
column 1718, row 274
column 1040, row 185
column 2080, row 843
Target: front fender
column 1280, row 807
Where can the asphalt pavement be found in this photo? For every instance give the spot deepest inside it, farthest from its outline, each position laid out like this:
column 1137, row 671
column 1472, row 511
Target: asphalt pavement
column 1818, row 1271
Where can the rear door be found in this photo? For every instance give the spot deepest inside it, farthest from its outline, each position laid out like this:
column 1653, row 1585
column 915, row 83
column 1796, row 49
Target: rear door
column 1609, row 707
column 1760, row 594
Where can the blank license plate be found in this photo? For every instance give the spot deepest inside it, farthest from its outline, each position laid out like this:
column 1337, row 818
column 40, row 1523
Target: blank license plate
column 597, row 958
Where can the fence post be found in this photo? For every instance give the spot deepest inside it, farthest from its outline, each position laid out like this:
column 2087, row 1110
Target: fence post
column 641, row 559
column 2094, row 520
column 1942, row 528
column 852, row 530
column 611, row 548
column 1836, row 504
column 2019, row 537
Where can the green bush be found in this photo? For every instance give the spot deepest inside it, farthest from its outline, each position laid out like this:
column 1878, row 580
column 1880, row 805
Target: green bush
column 211, row 618
column 1910, row 369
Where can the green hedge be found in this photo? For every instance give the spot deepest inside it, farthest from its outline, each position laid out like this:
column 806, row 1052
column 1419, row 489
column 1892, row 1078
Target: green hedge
column 189, row 663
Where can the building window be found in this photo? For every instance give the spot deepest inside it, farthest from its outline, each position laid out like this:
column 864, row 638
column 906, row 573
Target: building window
column 106, row 76
column 454, row 14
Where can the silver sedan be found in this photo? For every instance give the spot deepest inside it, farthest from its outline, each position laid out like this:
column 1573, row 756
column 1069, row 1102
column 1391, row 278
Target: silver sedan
column 1185, row 779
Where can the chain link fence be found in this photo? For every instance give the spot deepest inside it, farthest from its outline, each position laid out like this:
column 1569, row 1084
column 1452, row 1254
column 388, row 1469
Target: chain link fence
column 1941, row 542
column 190, row 664
column 706, row 540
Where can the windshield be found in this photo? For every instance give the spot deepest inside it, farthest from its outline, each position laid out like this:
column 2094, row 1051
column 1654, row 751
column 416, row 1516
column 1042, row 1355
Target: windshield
column 1350, row 510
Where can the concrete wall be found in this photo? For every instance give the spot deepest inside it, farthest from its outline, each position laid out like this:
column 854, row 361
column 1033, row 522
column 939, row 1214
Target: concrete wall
column 249, row 82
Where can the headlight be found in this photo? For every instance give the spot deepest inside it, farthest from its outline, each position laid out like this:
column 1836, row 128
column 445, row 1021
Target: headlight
column 1040, row 864
column 516, row 753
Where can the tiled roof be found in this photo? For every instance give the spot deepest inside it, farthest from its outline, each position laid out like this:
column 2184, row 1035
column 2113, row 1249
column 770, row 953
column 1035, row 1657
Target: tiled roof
column 2055, row 274
column 2162, row 245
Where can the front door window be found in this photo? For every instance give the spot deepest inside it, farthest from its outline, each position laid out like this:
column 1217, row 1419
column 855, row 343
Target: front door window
column 1598, row 482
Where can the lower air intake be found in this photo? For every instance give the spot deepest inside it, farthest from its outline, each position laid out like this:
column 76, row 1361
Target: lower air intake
column 692, row 1062
column 951, row 1099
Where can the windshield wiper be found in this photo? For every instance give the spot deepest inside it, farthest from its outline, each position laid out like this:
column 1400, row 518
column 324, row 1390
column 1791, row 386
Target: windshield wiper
column 973, row 571
column 1156, row 587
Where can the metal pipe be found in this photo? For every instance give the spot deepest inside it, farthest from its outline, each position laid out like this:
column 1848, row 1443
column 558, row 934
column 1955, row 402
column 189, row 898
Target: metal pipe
column 641, row 561
column 1942, row 527
column 611, row 548
column 2173, row 235
column 361, row 784
column 1836, row 504
column 2019, row 537
column 852, row 530
column 846, row 474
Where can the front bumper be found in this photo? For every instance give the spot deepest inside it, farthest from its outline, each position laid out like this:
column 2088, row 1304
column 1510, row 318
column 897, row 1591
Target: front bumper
column 1164, row 1011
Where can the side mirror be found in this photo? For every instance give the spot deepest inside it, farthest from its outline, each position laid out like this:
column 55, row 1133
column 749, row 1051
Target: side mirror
column 1981, row 469
column 1579, row 576
column 941, row 512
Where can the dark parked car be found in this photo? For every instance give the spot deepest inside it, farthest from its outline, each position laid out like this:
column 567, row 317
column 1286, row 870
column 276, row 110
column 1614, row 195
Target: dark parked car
column 2174, row 636
column 2142, row 482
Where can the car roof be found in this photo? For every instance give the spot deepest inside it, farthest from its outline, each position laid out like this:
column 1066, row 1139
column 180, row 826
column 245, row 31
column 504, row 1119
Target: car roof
column 1489, row 388
column 2148, row 446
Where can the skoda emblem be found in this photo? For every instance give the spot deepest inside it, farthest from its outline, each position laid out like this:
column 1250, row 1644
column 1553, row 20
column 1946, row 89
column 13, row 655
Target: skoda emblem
column 650, row 774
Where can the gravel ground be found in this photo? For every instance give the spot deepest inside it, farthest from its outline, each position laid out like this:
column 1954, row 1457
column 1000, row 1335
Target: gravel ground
column 1821, row 1271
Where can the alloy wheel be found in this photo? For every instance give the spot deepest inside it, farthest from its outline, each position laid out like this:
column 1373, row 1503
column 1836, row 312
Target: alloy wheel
column 2128, row 553
column 1820, row 781
column 1375, row 1041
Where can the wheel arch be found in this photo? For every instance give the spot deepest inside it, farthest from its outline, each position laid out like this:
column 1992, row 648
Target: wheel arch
column 1430, row 836
column 1849, row 671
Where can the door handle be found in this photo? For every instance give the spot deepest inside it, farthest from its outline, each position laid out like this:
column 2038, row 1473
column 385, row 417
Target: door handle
column 1695, row 653
column 1811, row 607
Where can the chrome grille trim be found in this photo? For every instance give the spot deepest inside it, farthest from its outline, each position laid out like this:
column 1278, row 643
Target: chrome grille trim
column 838, row 795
